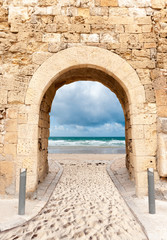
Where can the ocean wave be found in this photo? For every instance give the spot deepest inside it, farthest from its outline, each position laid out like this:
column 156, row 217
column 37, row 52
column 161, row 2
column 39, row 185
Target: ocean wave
column 95, row 143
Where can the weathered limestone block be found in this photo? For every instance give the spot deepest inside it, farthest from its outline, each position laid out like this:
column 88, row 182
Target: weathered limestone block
column 11, row 125
column 46, row 2
column 99, row 11
column 84, row 12
column 142, row 163
column 7, row 169
column 161, row 97
column 144, row 119
column 109, row 3
column 56, row 47
column 134, row 3
column 108, row 38
column 11, row 137
column 26, row 146
column 162, row 111
column 150, row 131
column 137, row 132
column 3, row 96
column 158, row 4
column 79, row 28
column 17, row 14
column 16, row 97
column 22, row 118
column 51, row 37
column 150, row 94
column 10, row 149
column 162, row 125
column 30, row 2
column 144, row 75
column 70, row 37
column 18, row 47
column 162, row 154
column 90, row 38
column 40, row 57
column 28, row 131
column 141, row 183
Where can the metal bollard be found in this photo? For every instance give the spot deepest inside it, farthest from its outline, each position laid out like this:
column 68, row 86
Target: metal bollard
column 22, row 191
column 151, row 190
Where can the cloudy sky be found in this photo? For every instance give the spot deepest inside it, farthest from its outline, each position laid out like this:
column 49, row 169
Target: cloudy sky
column 86, row 109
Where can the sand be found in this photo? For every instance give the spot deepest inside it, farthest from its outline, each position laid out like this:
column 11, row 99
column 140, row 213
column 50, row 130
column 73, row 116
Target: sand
column 84, row 205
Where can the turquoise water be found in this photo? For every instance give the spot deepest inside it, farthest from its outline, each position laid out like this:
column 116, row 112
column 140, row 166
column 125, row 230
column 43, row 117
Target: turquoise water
column 81, row 145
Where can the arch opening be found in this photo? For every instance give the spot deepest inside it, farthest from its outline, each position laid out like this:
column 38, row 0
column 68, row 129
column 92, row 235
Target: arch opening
column 70, row 76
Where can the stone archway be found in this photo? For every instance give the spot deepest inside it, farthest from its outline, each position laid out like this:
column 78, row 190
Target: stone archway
column 98, row 65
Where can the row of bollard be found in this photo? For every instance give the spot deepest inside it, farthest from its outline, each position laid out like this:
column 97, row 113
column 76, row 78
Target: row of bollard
column 22, row 191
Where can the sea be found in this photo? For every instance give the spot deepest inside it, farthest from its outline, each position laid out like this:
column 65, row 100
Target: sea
column 87, row 145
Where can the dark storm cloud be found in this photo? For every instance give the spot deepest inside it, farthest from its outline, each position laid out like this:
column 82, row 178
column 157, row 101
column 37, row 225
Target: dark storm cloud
column 86, row 104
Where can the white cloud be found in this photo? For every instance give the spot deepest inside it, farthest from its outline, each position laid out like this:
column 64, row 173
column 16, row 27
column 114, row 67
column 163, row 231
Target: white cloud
column 86, row 108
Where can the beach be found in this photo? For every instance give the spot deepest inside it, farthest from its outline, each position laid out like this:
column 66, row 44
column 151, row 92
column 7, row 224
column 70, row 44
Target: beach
column 84, row 205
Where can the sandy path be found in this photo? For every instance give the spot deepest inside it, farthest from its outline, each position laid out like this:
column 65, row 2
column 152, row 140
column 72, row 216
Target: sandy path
column 85, row 205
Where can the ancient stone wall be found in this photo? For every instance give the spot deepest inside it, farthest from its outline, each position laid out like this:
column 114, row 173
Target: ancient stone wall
column 31, row 31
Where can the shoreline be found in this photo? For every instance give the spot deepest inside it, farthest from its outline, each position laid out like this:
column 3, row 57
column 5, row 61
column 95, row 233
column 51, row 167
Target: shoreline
column 86, row 150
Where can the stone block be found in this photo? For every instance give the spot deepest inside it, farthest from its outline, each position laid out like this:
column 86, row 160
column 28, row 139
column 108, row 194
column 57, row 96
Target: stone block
column 150, row 131
column 30, row 2
column 144, row 119
column 70, row 37
column 10, row 149
column 46, row 2
column 56, row 47
column 27, row 146
column 40, row 57
column 142, row 163
column 147, row 28
column 11, row 125
column 144, row 20
column 137, row 132
column 158, row 4
column 144, row 75
column 51, row 37
column 141, row 183
column 108, row 38
column 7, row 169
column 22, row 118
column 11, row 137
column 3, row 96
column 133, row 29
column 134, row 3
column 12, row 113
column 150, row 93
column 162, row 154
column 93, row 38
column 162, row 125
column 27, row 131
column 78, row 28
column 17, row 14
column 162, row 111
column 99, row 11
column 161, row 97
column 150, row 45
column 16, row 97
column 109, row 3
column 84, row 12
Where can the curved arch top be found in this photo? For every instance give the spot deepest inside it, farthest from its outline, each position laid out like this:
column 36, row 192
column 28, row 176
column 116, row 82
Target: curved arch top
column 87, row 56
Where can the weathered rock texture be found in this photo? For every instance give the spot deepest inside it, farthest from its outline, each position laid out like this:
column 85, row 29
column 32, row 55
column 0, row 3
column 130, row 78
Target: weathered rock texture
column 45, row 44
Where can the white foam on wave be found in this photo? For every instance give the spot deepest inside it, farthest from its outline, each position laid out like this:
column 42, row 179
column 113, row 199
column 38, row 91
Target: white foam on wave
column 96, row 143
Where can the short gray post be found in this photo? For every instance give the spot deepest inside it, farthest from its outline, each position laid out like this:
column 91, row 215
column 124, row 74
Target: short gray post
column 151, row 190
column 22, row 191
